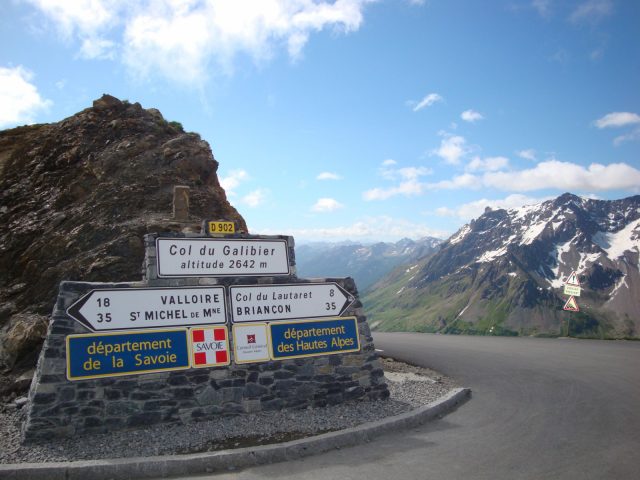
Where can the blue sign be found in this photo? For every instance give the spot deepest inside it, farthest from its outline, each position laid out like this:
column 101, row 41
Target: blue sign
column 126, row 353
column 313, row 338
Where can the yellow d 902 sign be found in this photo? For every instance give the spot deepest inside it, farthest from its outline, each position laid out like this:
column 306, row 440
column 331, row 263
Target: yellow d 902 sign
column 221, row 228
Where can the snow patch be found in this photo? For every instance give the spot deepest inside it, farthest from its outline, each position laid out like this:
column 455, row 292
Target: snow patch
column 492, row 255
column 620, row 283
column 587, row 258
column 463, row 310
column 532, row 233
column 557, row 281
column 460, row 236
column 625, row 240
column 521, row 212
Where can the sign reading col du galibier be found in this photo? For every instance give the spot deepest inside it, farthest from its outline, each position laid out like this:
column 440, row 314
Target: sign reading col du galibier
column 217, row 257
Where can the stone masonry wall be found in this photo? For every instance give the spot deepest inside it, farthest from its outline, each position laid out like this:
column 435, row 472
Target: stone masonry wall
column 59, row 407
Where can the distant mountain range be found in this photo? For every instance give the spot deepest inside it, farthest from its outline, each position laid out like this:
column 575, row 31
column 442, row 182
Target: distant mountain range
column 503, row 273
column 365, row 263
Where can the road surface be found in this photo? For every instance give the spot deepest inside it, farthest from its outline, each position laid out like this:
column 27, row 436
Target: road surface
column 541, row 409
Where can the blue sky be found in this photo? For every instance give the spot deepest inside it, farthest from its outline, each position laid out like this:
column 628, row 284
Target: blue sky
column 355, row 119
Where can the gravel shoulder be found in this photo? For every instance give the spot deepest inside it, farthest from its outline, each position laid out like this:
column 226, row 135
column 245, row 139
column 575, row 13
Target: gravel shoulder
column 410, row 387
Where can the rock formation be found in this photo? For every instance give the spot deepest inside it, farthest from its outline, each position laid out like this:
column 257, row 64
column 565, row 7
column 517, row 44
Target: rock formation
column 76, row 198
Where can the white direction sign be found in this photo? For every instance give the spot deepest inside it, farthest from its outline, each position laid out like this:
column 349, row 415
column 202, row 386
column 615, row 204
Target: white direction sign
column 259, row 303
column 217, row 257
column 136, row 308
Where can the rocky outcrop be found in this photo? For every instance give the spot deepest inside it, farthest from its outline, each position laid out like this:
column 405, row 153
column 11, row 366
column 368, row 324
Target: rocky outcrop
column 76, row 199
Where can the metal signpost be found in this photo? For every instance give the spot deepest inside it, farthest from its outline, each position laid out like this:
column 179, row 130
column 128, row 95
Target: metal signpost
column 135, row 308
column 279, row 302
column 571, row 288
column 220, row 257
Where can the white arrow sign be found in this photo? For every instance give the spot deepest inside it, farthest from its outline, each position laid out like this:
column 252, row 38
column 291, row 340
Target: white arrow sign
column 254, row 303
column 129, row 308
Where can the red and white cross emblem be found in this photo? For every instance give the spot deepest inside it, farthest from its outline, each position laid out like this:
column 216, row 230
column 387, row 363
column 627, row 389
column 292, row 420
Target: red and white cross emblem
column 209, row 347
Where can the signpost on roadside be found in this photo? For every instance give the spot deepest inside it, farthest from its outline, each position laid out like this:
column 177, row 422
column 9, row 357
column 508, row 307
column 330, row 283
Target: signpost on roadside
column 281, row 302
column 221, row 257
column 136, row 308
column 571, row 288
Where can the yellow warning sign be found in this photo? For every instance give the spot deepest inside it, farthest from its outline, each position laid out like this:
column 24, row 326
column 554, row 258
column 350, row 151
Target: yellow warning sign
column 571, row 305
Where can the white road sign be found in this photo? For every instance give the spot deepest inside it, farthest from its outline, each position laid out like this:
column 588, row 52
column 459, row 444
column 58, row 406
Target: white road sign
column 217, row 257
column 572, row 290
column 257, row 303
column 136, row 308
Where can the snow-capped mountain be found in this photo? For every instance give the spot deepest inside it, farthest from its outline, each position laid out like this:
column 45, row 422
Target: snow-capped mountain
column 365, row 263
column 504, row 273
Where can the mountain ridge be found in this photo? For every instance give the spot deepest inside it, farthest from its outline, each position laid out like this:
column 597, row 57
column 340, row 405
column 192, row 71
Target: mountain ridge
column 503, row 273
column 365, row 262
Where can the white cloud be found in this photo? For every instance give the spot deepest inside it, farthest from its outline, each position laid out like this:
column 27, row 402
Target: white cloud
column 591, row 11
column 528, row 154
column 409, row 184
column 380, row 228
column 255, row 198
column 81, row 17
column 19, row 98
column 97, row 48
column 542, row 7
column 181, row 39
column 617, row 119
column 88, row 20
column 471, row 116
column 326, row 205
column 465, row 180
column 328, row 176
column 452, row 149
column 412, row 173
column 627, row 137
column 404, row 173
column 427, row 101
column 567, row 176
column 231, row 181
column 489, row 164
column 408, row 188
column 476, row 208
column 550, row 174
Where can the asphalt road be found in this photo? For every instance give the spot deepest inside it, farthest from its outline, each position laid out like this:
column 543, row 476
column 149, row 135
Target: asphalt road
column 541, row 409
